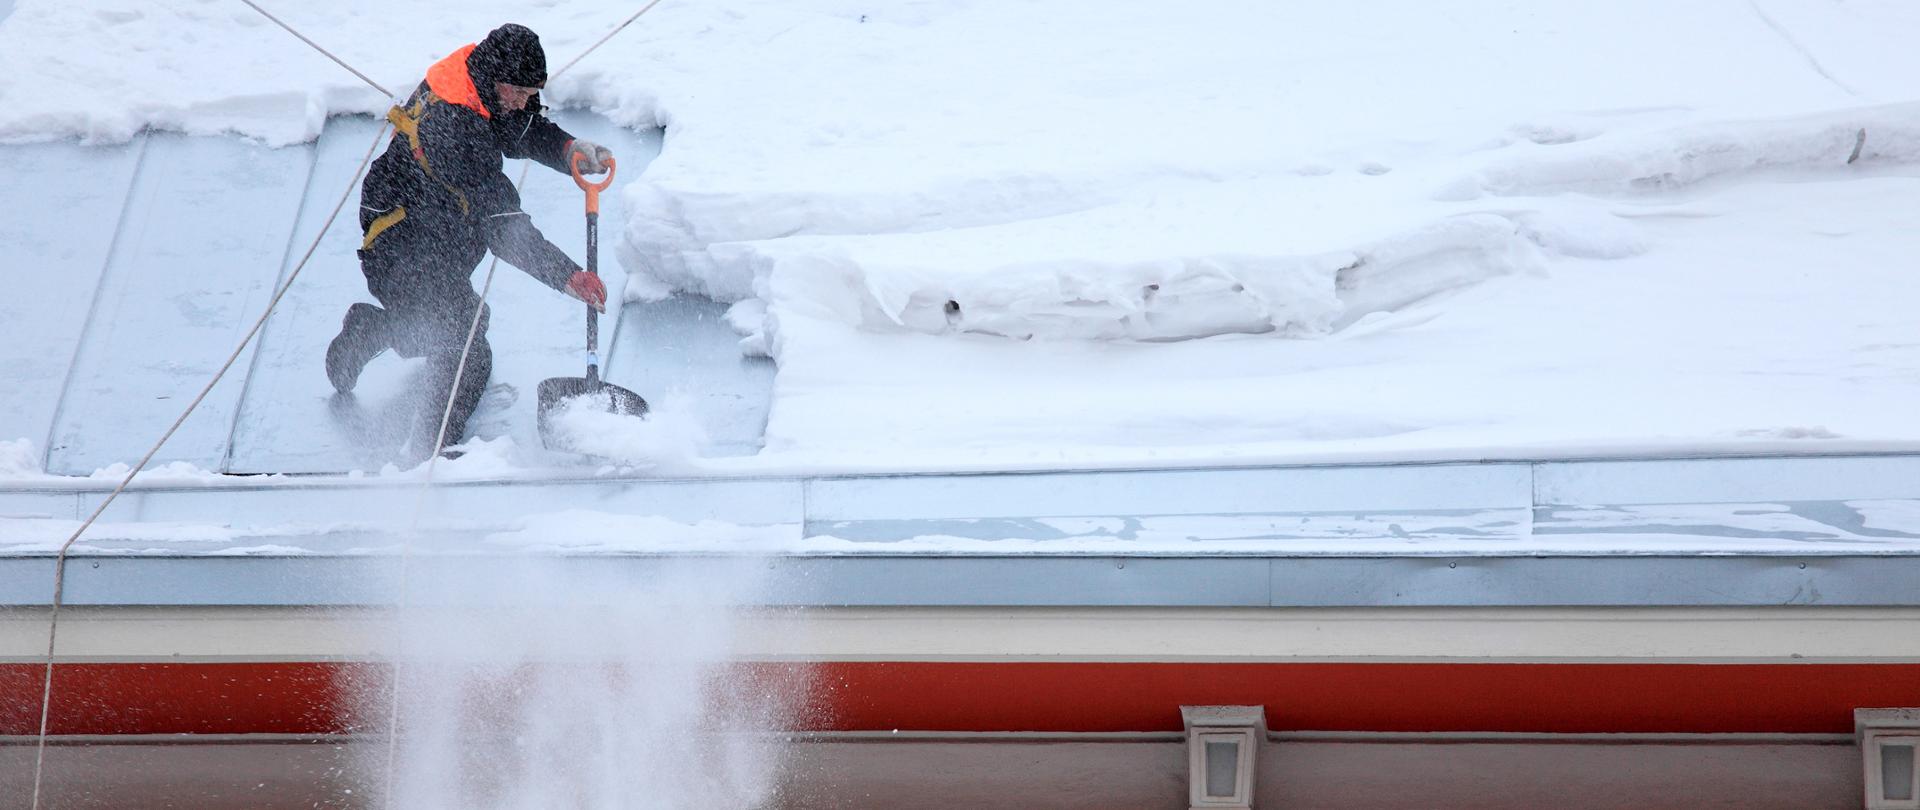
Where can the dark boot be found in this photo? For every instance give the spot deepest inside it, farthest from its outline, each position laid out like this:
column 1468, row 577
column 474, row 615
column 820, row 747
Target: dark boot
column 441, row 369
column 357, row 344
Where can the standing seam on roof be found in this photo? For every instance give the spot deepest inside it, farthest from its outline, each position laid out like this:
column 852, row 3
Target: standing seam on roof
column 246, row 383
column 99, row 284
column 60, row 561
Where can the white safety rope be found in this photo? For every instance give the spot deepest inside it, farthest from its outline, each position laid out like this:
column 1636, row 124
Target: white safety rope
column 433, row 459
column 420, row 507
column 323, row 51
column 60, row 561
column 603, row 40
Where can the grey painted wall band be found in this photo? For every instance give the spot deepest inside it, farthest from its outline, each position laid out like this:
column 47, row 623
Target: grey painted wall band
column 994, row 581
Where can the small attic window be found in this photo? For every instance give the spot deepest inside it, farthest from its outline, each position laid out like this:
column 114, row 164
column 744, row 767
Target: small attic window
column 1890, row 755
column 1223, row 746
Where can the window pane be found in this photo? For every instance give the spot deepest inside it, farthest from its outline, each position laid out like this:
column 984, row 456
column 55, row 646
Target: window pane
column 1223, row 768
column 1896, row 772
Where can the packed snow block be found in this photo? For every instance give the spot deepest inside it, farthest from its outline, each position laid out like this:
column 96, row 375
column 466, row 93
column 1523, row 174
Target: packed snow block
column 1399, row 270
column 1296, row 257
column 193, row 265
column 1683, row 156
column 63, row 203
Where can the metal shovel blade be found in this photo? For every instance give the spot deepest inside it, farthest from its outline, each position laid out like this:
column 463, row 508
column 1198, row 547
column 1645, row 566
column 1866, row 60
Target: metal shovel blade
column 558, row 393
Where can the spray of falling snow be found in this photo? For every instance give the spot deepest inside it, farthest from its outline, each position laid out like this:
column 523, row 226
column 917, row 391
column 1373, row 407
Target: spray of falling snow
column 669, row 439
column 547, row 682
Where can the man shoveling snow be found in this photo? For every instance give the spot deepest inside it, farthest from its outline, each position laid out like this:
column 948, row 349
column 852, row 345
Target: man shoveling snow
column 436, row 201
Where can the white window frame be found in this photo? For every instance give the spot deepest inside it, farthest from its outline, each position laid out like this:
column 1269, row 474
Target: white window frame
column 1873, row 747
column 1875, row 729
column 1242, row 795
column 1246, row 728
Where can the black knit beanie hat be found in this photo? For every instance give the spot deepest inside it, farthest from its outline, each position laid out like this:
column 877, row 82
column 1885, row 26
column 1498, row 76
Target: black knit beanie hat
column 511, row 54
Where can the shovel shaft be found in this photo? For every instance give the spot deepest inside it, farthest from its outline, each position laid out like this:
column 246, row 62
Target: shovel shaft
column 592, row 190
column 590, row 391
column 593, row 266
column 593, row 254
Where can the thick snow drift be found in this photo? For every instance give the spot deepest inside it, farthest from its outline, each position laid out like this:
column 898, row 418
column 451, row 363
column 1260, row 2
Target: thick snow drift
column 991, row 233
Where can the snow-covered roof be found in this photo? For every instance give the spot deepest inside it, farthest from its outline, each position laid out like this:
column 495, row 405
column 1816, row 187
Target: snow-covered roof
column 1809, row 506
column 157, row 255
column 1298, row 232
column 1837, row 531
column 1352, row 255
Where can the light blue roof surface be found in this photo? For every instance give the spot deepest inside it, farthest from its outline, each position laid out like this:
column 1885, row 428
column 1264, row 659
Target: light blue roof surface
column 137, row 268
column 133, row 270
column 1805, row 531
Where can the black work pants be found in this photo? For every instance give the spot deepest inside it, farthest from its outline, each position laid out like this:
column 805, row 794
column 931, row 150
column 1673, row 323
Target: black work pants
column 426, row 307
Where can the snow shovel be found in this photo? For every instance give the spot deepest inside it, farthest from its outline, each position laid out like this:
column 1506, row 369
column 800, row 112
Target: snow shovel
column 560, row 393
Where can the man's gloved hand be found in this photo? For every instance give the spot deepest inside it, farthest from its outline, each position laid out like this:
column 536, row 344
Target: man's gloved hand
column 596, row 156
column 587, row 287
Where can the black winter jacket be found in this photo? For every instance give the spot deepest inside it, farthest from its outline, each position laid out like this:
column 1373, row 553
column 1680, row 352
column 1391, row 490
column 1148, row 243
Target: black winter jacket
column 465, row 205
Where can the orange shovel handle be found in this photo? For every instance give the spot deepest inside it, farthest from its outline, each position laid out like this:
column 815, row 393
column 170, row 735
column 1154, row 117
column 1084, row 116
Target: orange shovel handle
column 592, row 189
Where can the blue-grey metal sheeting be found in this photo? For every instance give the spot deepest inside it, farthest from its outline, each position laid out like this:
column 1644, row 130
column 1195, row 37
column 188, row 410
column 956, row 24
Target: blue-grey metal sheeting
column 1854, row 581
column 1841, row 530
column 149, row 260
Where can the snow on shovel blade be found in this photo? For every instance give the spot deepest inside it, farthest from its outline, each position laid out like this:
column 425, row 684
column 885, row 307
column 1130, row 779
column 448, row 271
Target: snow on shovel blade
column 558, row 394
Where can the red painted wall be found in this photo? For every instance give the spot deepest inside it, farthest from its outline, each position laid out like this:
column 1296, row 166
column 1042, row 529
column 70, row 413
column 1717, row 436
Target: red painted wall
column 315, row 698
